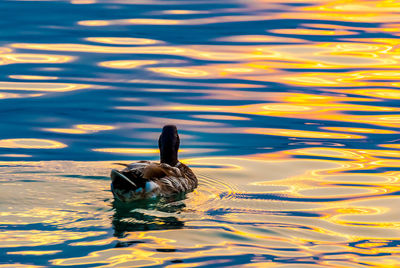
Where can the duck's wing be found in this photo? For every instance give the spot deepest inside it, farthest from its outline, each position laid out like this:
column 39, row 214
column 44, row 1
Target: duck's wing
column 188, row 174
column 172, row 180
column 136, row 166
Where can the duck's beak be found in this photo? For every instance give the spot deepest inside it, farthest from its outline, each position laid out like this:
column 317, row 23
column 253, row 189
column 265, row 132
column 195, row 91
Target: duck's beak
column 116, row 175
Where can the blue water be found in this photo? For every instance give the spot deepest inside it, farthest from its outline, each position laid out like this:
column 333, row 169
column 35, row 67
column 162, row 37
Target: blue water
column 287, row 112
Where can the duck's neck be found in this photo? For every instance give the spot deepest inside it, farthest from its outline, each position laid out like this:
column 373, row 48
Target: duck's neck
column 169, row 157
column 168, row 143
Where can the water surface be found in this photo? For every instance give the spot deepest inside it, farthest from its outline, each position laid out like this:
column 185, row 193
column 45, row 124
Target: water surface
column 288, row 111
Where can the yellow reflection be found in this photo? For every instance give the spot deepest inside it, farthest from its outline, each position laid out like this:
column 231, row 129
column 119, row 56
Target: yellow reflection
column 301, row 133
column 81, row 129
column 128, row 22
column 361, row 130
column 123, row 40
column 126, row 64
column 101, row 49
column 116, row 256
column 262, row 57
column 352, row 11
column 33, row 77
column 83, row 2
column 94, row 23
column 18, row 265
column 5, row 50
column 184, row 12
column 33, row 238
column 49, row 87
column 127, row 150
column 260, row 39
column 328, row 152
column 290, row 105
column 16, row 155
column 101, row 242
column 180, row 72
column 311, row 32
column 147, row 150
column 219, row 117
column 394, row 146
column 33, row 58
column 6, row 95
column 33, row 252
column 31, row 144
column 286, row 107
column 375, row 93
column 351, row 79
column 199, row 21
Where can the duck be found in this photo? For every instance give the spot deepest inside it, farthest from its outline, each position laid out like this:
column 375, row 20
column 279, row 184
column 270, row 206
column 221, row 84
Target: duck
column 149, row 180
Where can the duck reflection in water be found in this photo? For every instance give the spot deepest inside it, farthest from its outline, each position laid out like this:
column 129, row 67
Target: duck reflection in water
column 142, row 215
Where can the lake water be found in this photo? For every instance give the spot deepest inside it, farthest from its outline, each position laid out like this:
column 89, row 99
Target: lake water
column 288, row 112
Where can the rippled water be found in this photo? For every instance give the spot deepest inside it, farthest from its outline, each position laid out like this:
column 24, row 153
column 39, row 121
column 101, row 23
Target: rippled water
column 288, row 111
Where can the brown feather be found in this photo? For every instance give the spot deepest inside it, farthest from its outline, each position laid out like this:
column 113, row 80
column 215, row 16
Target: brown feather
column 154, row 172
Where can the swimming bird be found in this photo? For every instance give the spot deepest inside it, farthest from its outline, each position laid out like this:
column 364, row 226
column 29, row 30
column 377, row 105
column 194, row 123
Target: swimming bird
column 145, row 179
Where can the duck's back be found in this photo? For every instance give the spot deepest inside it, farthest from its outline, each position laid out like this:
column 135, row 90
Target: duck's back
column 146, row 179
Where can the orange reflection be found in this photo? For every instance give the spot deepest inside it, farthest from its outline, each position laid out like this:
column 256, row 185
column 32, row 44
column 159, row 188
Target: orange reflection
column 31, row 144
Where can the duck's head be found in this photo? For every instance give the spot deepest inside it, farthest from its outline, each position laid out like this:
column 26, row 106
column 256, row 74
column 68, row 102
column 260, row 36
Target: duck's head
column 169, row 145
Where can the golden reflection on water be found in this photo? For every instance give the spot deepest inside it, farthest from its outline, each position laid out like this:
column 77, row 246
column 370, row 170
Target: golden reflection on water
column 126, row 64
column 344, row 207
column 31, row 143
column 13, row 58
column 33, row 77
column 46, row 87
column 348, row 217
column 322, row 201
column 123, row 40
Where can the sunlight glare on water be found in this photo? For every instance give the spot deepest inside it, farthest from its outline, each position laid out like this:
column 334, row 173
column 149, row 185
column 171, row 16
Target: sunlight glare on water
column 287, row 112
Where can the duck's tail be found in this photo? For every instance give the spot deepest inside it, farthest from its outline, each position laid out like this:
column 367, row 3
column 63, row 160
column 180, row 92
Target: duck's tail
column 120, row 181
